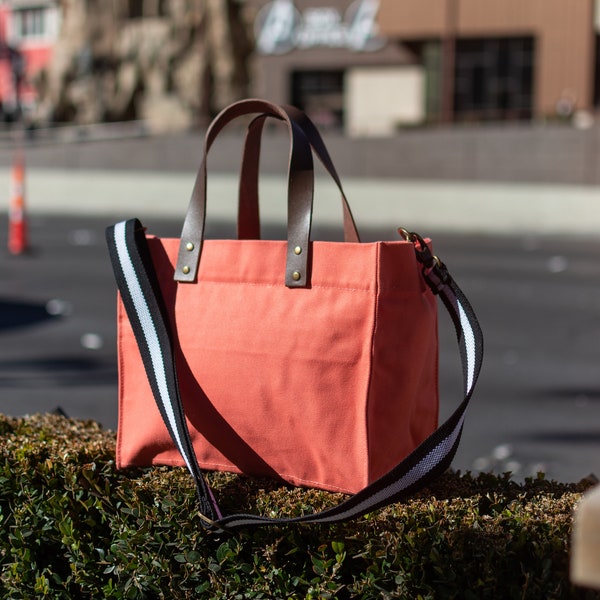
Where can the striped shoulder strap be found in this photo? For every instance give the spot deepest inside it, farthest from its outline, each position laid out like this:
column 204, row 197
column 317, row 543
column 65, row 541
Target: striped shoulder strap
column 140, row 293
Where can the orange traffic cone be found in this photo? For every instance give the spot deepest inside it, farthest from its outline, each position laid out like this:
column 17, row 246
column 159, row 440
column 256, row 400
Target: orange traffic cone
column 17, row 221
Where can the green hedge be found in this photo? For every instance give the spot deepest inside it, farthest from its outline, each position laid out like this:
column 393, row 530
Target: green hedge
column 74, row 527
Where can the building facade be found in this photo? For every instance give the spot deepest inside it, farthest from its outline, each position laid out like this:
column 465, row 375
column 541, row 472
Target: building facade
column 505, row 59
column 366, row 66
column 28, row 32
column 375, row 65
column 329, row 58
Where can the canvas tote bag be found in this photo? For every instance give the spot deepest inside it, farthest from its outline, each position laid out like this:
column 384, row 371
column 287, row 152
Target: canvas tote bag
column 311, row 362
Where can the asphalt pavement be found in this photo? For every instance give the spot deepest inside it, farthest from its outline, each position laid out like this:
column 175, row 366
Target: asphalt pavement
column 526, row 255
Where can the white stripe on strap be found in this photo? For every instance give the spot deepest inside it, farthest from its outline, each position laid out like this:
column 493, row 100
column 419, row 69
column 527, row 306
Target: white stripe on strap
column 150, row 333
column 469, row 341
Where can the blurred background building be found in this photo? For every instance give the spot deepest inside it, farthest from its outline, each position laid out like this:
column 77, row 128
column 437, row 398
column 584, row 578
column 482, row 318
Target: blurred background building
column 500, row 60
column 28, row 32
column 376, row 65
column 367, row 67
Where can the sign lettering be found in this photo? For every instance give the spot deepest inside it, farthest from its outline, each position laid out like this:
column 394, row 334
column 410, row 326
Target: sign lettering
column 280, row 27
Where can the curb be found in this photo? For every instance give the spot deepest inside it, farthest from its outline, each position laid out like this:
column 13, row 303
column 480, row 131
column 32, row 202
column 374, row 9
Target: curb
column 486, row 208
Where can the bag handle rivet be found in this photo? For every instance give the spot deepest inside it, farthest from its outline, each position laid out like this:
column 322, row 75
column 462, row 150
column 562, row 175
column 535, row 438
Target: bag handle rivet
column 185, row 270
column 297, row 250
column 189, row 246
column 296, row 275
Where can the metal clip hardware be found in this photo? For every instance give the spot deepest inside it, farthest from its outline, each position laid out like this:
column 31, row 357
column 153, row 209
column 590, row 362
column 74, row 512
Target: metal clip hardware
column 209, row 524
column 434, row 270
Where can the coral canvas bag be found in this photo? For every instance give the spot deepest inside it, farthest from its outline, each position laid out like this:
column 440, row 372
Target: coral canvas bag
column 311, row 362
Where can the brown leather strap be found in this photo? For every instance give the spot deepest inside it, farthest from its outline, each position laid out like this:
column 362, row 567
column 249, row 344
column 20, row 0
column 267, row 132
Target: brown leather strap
column 248, row 210
column 300, row 198
column 248, row 223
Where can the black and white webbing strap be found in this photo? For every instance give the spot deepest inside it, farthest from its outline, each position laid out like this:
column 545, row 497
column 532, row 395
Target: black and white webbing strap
column 141, row 297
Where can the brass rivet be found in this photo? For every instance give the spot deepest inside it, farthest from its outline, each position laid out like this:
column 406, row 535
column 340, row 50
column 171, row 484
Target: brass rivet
column 189, row 246
column 297, row 250
column 296, row 275
column 185, row 270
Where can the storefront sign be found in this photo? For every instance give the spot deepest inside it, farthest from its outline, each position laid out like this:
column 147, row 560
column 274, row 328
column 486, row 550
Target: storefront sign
column 280, row 27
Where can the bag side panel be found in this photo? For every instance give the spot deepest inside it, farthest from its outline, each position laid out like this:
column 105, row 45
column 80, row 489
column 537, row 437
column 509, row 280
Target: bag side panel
column 403, row 401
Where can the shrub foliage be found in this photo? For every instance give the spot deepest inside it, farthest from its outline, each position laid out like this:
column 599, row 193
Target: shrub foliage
column 72, row 526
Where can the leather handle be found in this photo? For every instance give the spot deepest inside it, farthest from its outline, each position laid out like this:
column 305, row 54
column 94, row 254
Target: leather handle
column 248, row 207
column 248, row 219
column 300, row 197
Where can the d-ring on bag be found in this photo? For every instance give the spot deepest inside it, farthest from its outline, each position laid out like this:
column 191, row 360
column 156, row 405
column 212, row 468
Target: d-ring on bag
column 312, row 362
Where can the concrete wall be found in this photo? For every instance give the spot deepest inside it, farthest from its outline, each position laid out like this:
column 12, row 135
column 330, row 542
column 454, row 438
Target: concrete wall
column 517, row 153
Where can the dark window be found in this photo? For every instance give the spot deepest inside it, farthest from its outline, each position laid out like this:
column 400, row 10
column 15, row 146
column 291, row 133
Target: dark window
column 135, row 9
column 321, row 95
column 597, row 73
column 31, row 22
column 494, row 79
